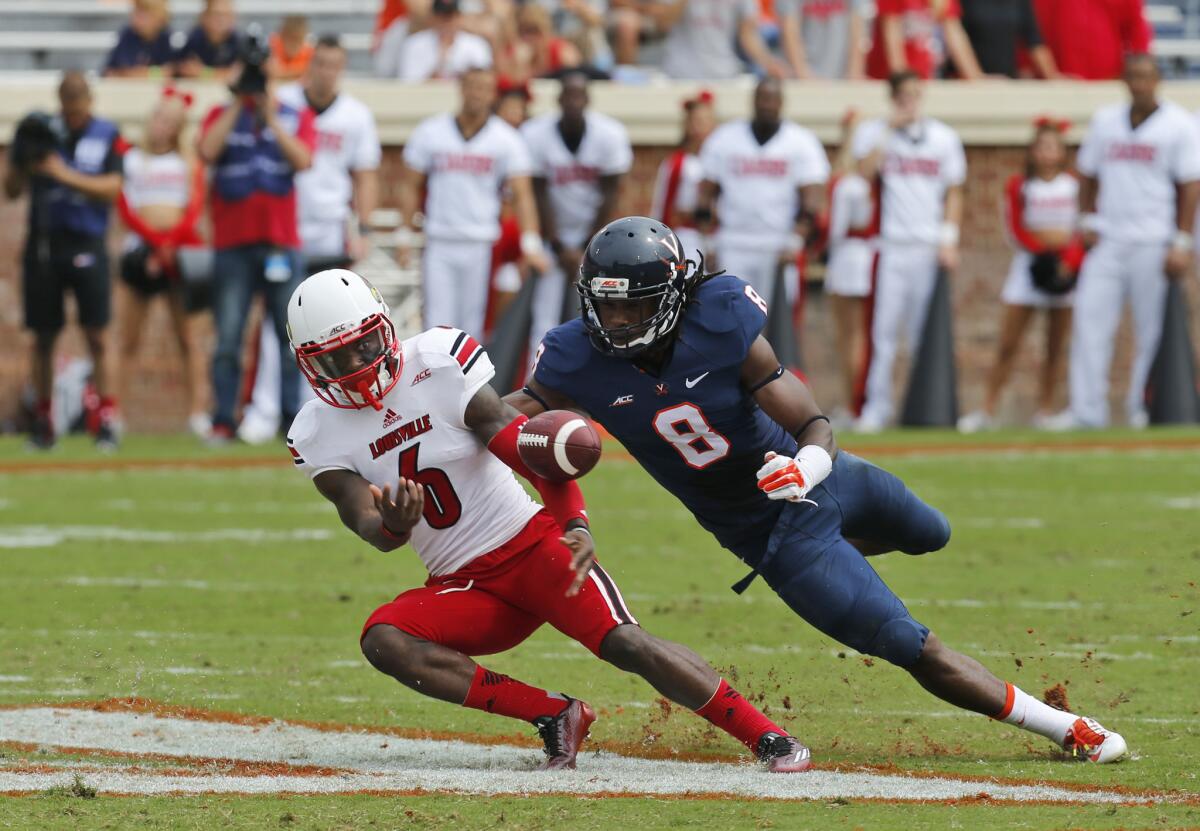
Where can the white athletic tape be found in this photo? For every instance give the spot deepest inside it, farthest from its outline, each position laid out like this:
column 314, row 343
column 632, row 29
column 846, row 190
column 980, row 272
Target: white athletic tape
column 560, row 445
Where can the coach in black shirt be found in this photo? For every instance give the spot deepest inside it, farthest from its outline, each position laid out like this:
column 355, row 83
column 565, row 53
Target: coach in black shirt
column 996, row 29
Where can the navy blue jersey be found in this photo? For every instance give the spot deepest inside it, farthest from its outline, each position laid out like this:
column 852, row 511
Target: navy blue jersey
column 695, row 429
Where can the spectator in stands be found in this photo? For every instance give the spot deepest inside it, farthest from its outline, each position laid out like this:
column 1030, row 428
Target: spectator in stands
column 464, row 161
column 853, row 231
column 391, row 28
column 443, row 50
column 919, row 35
column 342, row 185
column 700, row 38
column 290, row 49
column 579, row 157
column 70, row 190
column 677, row 185
column 255, row 146
column 1041, row 212
column 537, row 52
column 1090, row 38
column 822, row 39
column 583, row 23
column 212, row 45
column 160, row 204
column 1000, row 31
column 144, row 44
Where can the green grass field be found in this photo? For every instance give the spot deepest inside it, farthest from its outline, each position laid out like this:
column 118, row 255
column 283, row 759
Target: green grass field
column 235, row 589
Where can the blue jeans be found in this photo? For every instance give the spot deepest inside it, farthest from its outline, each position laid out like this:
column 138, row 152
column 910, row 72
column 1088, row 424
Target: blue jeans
column 237, row 276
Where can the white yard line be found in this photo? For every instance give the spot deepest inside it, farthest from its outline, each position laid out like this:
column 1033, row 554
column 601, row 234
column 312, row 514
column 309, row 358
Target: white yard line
column 46, row 536
column 380, row 762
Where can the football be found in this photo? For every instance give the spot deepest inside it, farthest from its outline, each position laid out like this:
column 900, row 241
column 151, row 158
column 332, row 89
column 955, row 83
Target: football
column 559, row 445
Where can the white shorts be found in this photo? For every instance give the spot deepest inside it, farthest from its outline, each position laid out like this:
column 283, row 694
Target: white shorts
column 1019, row 289
column 851, row 267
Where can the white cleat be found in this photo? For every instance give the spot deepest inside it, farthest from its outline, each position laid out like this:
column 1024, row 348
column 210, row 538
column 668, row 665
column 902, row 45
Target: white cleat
column 1061, row 422
column 976, row 422
column 1088, row 741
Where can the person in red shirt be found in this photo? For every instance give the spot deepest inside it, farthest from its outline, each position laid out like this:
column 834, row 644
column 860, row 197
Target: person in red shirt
column 254, row 146
column 905, row 37
column 1090, row 38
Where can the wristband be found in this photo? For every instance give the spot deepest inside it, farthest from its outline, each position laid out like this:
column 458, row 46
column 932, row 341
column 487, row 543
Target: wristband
column 1089, row 222
column 948, row 235
column 531, row 243
column 582, row 528
column 1182, row 241
column 815, row 464
column 392, row 535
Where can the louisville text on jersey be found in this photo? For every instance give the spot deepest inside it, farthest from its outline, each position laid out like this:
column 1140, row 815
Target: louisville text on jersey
column 405, row 432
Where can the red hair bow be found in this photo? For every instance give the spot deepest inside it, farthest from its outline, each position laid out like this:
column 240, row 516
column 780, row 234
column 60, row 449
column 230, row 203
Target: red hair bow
column 185, row 97
column 1045, row 122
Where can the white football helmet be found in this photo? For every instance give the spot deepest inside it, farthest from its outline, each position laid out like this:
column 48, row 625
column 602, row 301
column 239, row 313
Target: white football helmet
column 344, row 341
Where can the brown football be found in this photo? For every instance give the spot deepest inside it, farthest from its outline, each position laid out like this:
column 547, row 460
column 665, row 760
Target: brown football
column 559, row 445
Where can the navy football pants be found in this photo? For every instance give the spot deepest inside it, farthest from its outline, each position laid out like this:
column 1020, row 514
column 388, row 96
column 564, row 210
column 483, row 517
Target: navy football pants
column 824, row 579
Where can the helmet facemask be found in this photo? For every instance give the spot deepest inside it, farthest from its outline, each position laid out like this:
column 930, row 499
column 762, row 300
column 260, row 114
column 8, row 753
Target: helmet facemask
column 658, row 310
column 354, row 368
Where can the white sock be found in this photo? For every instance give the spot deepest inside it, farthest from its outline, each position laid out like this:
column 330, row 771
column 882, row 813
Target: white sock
column 1024, row 711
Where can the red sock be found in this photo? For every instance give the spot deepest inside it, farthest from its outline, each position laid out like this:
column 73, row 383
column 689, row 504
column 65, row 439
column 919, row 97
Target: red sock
column 108, row 408
column 737, row 716
column 504, row 696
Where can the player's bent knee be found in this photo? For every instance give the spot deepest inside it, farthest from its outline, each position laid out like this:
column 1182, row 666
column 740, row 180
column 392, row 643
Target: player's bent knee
column 627, row 646
column 389, row 649
column 934, row 536
column 900, row 641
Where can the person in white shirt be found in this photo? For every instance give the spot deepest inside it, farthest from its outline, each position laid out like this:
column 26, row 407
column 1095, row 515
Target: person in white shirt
column 464, row 161
column 1041, row 211
column 852, row 244
column 579, row 157
column 343, row 183
column 443, row 50
column 677, row 184
column 764, row 183
column 702, row 36
column 921, row 165
column 1140, row 168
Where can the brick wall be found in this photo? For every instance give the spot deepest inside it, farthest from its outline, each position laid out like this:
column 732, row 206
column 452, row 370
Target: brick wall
column 156, row 401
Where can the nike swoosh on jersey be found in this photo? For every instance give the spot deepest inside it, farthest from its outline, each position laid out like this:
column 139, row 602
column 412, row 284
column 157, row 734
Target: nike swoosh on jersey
column 691, row 382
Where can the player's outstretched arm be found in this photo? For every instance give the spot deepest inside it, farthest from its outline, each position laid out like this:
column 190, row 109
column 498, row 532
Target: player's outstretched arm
column 372, row 513
column 497, row 424
column 535, row 398
column 789, row 402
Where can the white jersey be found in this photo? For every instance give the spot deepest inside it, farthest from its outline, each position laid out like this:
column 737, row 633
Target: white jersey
column 919, row 164
column 473, row 503
column 687, row 191
column 759, row 199
column 422, row 56
column 346, row 142
column 465, row 177
column 573, row 179
column 1138, row 169
column 1049, row 205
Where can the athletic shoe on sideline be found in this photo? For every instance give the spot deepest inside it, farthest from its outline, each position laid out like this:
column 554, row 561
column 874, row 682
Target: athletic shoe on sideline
column 564, row 733
column 976, row 422
column 1088, row 741
column 783, row 754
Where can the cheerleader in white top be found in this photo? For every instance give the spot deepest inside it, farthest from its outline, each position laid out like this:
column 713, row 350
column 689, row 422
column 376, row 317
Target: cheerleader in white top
column 160, row 204
column 1041, row 213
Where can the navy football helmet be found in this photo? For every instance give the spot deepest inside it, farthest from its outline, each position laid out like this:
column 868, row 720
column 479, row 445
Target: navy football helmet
column 633, row 285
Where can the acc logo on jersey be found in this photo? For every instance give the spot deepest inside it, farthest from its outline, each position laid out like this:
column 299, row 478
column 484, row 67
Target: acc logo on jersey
column 421, row 376
column 622, row 400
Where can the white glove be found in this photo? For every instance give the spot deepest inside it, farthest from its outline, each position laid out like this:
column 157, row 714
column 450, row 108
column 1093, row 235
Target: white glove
column 792, row 479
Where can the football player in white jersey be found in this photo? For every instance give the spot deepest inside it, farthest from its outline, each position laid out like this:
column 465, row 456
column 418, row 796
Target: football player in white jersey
column 921, row 165
column 464, row 161
column 1041, row 213
column 764, row 184
column 1140, row 168
column 343, row 180
column 411, row 444
column 579, row 157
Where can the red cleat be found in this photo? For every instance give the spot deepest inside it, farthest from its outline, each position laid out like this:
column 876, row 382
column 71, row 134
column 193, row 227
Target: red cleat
column 783, row 754
column 564, row 734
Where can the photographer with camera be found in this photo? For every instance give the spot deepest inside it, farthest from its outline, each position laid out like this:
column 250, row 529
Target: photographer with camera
column 254, row 146
column 71, row 166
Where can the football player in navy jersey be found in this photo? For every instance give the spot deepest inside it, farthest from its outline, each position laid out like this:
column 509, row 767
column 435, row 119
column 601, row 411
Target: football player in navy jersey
column 671, row 361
